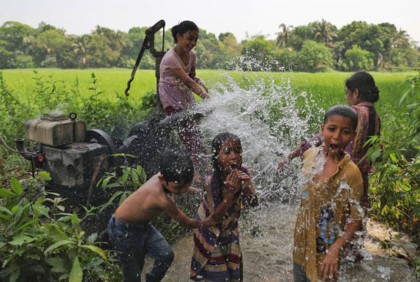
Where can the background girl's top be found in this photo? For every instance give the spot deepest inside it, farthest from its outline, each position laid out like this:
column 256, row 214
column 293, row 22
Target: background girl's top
column 172, row 90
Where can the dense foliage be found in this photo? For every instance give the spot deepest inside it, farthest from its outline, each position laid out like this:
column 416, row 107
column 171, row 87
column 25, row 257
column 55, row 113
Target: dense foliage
column 394, row 186
column 316, row 46
column 39, row 241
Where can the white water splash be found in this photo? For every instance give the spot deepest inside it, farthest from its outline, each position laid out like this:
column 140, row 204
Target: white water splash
column 267, row 118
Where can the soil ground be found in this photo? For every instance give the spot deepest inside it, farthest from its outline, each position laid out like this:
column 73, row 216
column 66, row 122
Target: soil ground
column 267, row 237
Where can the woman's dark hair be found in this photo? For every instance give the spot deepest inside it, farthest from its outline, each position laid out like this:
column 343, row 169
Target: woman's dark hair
column 365, row 83
column 182, row 28
column 343, row 111
column 217, row 143
column 176, row 166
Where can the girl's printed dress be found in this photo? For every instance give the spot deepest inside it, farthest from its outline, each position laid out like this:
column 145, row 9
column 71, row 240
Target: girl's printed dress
column 217, row 252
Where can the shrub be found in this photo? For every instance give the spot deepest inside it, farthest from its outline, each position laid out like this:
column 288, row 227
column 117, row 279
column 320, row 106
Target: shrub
column 40, row 242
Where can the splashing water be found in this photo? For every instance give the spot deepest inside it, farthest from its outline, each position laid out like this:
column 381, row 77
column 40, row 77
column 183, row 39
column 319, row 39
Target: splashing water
column 268, row 120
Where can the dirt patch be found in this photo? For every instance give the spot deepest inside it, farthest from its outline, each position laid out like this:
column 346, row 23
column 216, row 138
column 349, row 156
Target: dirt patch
column 267, row 244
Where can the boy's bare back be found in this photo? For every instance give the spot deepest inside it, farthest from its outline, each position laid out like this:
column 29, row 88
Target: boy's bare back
column 145, row 203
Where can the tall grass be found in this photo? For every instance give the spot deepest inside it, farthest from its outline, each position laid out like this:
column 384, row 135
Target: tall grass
column 328, row 87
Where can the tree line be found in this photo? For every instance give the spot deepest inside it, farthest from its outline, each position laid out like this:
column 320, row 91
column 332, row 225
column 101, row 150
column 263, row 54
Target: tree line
column 316, row 46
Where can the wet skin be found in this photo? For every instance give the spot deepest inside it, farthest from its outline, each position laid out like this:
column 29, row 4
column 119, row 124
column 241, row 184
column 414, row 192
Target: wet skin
column 230, row 158
column 338, row 131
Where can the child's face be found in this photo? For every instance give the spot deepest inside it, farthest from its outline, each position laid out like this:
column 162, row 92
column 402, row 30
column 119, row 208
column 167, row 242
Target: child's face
column 188, row 40
column 230, row 155
column 352, row 97
column 338, row 131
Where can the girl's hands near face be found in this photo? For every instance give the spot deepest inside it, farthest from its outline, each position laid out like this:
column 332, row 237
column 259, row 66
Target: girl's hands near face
column 233, row 182
column 245, row 179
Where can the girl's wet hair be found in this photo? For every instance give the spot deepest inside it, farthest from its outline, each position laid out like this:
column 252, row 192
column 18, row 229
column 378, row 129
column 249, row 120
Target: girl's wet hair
column 365, row 83
column 217, row 143
column 343, row 111
column 182, row 28
column 176, row 166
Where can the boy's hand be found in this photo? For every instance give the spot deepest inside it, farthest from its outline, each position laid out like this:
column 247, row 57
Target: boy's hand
column 329, row 266
column 208, row 222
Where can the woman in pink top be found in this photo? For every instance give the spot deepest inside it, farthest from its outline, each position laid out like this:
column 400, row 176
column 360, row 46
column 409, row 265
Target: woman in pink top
column 178, row 81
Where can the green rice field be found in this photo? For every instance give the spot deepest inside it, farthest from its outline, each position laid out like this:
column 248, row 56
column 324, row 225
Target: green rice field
column 327, row 88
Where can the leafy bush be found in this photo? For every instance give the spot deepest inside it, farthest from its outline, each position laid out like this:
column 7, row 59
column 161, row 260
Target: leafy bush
column 124, row 180
column 395, row 184
column 40, row 242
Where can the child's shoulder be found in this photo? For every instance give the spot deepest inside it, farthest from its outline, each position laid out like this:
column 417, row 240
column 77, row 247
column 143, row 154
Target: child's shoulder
column 350, row 167
column 312, row 153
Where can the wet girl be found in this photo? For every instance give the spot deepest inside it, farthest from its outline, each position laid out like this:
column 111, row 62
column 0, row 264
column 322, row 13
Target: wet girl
column 178, row 81
column 217, row 252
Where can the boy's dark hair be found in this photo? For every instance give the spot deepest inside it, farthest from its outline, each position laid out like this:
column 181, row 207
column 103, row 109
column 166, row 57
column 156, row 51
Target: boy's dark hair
column 176, row 166
column 182, row 28
column 217, row 143
column 365, row 83
column 343, row 111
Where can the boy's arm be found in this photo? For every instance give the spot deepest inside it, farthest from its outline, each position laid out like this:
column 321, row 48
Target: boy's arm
column 174, row 212
column 329, row 264
column 222, row 207
column 298, row 152
column 193, row 190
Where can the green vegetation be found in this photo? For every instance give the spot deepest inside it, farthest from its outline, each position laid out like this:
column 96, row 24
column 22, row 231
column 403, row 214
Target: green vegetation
column 317, row 46
column 50, row 243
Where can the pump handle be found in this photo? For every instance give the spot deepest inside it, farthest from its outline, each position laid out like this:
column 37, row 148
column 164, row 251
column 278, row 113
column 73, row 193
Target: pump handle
column 148, row 43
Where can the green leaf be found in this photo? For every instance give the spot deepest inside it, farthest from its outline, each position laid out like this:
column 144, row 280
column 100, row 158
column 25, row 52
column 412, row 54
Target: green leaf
column 57, row 263
column 375, row 155
column 57, row 245
column 30, row 223
column 16, row 186
column 5, row 210
column 124, row 177
column 76, row 273
column 95, row 249
column 393, row 157
column 6, row 193
column 44, row 175
column 21, row 239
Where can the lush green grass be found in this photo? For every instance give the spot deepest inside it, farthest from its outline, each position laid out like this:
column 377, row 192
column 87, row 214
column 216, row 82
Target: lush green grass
column 327, row 88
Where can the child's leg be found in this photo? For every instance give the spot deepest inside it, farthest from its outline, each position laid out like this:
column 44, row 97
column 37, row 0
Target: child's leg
column 158, row 249
column 129, row 243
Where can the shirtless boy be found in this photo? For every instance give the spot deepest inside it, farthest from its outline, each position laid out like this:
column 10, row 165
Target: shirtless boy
column 130, row 230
